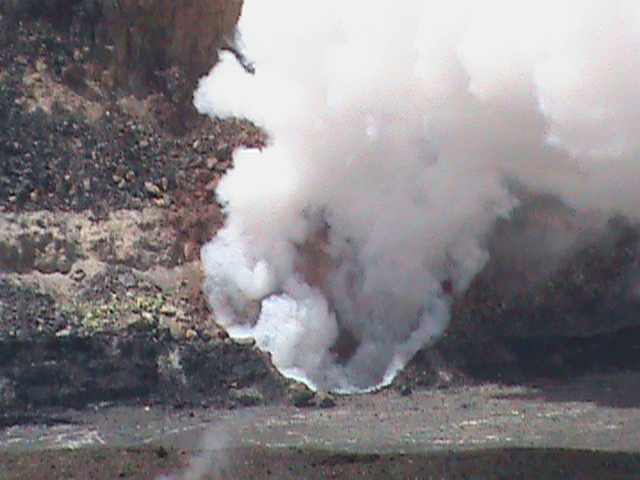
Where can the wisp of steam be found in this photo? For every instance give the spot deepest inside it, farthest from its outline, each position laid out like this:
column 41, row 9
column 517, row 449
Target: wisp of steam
column 215, row 450
column 395, row 131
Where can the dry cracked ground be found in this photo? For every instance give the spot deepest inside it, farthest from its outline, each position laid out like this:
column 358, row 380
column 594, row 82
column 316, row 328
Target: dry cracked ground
column 107, row 183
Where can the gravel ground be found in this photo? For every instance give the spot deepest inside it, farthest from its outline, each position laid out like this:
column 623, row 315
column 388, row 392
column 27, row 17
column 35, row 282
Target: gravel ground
column 489, row 431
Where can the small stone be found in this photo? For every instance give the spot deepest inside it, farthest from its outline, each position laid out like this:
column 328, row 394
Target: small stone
column 164, row 183
column 160, row 202
column 211, row 162
column 130, row 176
column 326, row 400
column 247, row 397
column 445, row 379
column 243, row 137
column 116, row 179
column 144, row 323
column 302, row 396
column 86, row 183
column 245, row 342
column 212, row 185
column 169, row 310
column 191, row 334
column 223, row 164
column 41, row 65
column 128, row 280
column 176, row 329
column 78, row 275
column 406, row 391
column 33, row 196
column 190, row 250
column 131, row 320
column 221, row 335
column 65, row 332
column 152, row 189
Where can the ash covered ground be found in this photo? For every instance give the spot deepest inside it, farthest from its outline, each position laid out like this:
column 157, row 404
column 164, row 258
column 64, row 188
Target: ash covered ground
column 107, row 183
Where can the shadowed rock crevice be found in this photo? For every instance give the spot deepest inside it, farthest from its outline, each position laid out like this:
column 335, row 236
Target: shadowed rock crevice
column 138, row 366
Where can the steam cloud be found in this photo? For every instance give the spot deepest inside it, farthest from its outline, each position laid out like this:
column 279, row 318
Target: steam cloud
column 396, row 129
column 212, row 459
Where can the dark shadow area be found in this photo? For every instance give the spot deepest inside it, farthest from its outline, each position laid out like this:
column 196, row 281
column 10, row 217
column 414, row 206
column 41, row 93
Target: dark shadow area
column 11, row 419
column 603, row 368
column 618, row 390
column 484, row 464
column 557, row 303
column 556, row 357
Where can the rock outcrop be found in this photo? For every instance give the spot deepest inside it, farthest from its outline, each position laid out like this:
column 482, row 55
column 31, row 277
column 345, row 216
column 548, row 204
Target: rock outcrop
column 140, row 46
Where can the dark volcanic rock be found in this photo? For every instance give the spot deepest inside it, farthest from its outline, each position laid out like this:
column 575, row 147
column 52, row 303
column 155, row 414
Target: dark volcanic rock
column 72, row 141
column 75, row 371
column 142, row 366
column 574, row 312
column 25, row 312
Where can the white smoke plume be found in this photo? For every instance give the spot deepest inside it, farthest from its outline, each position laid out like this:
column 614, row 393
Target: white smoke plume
column 212, row 458
column 395, row 128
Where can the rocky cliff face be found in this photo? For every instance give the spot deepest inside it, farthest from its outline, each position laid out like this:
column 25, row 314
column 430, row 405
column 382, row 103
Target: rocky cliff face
column 139, row 46
column 107, row 180
column 149, row 39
